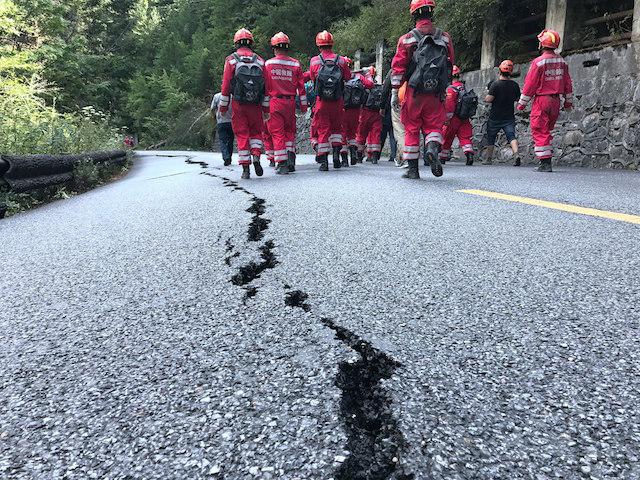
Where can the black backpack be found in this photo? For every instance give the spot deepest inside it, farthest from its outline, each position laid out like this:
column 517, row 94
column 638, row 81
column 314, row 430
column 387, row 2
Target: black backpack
column 467, row 104
column 432, row 67
column 374, row 102
column 329, row 82
column 248, row 80
column 355, row 95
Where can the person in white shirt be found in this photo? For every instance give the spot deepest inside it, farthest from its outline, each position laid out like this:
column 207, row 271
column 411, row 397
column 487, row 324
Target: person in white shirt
column 225, row 131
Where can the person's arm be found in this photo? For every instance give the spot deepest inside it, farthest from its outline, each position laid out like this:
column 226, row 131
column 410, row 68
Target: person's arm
column 451, row 100
column 452, row 53
column 386, row 94
column 302, row 92
column 531, row 83
column 227, row 76
column 491, row 96
column 400, row 62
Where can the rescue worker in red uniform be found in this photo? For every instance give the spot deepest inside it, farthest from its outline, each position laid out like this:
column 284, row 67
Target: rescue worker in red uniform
column 455, row 126
column 284, row 80
column 247, row 116
column 421, row 112
column 548, row 79
column 370, row 127
column 328, row 112
column 351, row 122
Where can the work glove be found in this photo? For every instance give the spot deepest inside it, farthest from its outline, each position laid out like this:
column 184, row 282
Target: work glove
column 395, row 100
column 521, row 107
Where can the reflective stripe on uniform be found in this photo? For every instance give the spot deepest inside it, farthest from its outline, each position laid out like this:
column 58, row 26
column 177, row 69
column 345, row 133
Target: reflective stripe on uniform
column 279, row 61
column 433, row 137
column 546, row 61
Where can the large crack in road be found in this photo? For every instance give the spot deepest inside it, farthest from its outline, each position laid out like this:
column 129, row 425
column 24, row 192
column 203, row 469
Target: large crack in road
column 374, row 439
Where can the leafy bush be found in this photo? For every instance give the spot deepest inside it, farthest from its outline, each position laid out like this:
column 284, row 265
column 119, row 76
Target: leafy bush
column 28, row 125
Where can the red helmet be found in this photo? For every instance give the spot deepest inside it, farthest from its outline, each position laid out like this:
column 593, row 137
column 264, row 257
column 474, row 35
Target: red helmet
column 549, row 39
column 243, row 34
column 280, row 39
column 506, row 67
column 456, row 71
column 349, row 62
column 324, row 39
column 418, row 4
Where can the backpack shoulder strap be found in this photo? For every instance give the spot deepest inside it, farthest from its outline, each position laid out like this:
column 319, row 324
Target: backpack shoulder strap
column 236, row 56
column 417, row 34
column 438, row 34
column 322, row 60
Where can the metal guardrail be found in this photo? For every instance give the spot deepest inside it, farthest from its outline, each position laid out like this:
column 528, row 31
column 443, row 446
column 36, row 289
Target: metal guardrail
column 32, row 172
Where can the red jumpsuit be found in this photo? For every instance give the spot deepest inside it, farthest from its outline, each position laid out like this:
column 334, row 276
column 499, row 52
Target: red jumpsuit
column 328, row 113
column 456, row 127
column 548, row 78
column 420, row 112
column 284, row 80
column 246, row 119
column 351, row 119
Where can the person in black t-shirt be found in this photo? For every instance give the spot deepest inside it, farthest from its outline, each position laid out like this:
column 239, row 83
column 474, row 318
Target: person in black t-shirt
column 503, row 93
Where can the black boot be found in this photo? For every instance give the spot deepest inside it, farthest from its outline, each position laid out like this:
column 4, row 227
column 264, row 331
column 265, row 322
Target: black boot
column 336, row 157
column 227, row 162
column 360, row 156
column 246, row 173
column 469, row 158
column 291, row 161
column 517, row 161
column 318, row 158
column 345, row 158
column 412, row 172
column 324, row 162
column 272, row 163
column 375, row 156
column 433, row 157
column 354, row 155
column 545, row 166
column 256, row 165
column 282, row 168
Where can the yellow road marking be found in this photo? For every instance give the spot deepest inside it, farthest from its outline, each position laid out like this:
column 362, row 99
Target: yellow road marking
column 565, row 207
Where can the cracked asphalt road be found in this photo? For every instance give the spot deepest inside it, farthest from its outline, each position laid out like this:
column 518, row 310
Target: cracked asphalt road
column 129, row 353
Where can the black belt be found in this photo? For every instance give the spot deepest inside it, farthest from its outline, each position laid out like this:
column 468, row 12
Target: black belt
column 288, row 97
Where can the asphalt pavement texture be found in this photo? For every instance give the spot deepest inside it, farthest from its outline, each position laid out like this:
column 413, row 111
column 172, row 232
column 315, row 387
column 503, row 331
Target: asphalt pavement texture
column 181, row 323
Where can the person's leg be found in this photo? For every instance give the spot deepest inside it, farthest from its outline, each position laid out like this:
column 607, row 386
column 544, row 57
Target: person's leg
column 323, row 126
column 277, row 129
column 241, row 130
column 393, row 145
column 364, row 128
column 542, row 122
column 465, row 135
column 449, row 134
column 398, row 133
column 492, row 135
column 223, row 140
column 256, row 144
column 433, row 118
column 374, row 136
column 509, row 129
column 335, row 138
column 411, row 118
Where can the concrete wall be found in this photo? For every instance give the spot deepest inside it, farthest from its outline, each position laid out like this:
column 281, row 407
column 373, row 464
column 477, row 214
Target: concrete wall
column 603, row 130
